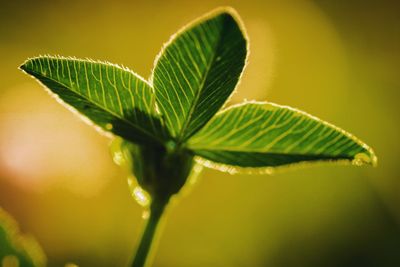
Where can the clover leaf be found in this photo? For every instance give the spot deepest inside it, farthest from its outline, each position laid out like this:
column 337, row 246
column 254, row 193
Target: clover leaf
column 178, row 116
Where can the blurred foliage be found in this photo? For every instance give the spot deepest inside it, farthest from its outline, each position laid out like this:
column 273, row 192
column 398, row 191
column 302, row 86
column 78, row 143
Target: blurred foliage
column 339, row 60
column 17, row 249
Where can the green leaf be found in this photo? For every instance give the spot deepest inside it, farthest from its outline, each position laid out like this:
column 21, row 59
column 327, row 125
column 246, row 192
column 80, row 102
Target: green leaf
column 197, row 70
column 113, row 97
column 258, row 135
column 17, row 249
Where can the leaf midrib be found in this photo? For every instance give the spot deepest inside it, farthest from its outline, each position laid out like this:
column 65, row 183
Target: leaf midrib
column 188, row 118
column 102, row 108
column 276, row 153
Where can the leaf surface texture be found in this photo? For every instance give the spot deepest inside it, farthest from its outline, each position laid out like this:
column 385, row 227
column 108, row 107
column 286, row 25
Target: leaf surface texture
column 197, row 71
column 112, row 97
column 257, row 135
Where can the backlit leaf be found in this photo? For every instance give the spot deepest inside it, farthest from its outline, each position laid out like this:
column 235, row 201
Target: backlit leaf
column 197, row 71
column 258, row 135
column 114, row 98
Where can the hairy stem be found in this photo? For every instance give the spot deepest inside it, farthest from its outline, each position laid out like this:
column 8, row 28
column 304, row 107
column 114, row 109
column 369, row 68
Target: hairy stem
column 149, row 238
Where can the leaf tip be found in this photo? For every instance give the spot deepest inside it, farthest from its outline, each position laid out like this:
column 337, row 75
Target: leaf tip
column 28, row 64
column 366, row 157
column 23, row 66
column 227, row 11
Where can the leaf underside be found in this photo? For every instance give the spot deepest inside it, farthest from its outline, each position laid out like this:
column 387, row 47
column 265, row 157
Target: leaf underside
column 260, row 135
column 112, row 97
column 197, row 71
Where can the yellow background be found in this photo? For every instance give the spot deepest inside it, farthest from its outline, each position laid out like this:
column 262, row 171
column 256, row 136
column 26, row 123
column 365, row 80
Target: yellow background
column 338, row 60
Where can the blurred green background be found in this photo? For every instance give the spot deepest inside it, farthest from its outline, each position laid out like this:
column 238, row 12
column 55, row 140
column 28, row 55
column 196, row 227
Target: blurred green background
column 338, row 60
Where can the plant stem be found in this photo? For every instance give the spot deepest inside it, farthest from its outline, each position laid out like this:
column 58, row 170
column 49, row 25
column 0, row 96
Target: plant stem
column 148, row 240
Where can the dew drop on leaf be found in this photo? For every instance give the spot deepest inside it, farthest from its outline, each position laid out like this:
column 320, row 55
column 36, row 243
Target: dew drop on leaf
column 269, row 170
column 145, row 214
column 118, row 158
column 194, row 175
column 117, row 153
column 363, row 158
column 109, row 126
column 140, row 195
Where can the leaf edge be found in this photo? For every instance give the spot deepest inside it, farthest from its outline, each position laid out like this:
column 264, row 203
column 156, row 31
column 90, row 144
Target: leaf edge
column 358, row 159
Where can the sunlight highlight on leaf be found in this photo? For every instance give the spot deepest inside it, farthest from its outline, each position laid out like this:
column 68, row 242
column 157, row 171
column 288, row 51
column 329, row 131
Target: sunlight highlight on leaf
column 113, row 97
column 140, row 195
column 197, row 71
column 259, row 135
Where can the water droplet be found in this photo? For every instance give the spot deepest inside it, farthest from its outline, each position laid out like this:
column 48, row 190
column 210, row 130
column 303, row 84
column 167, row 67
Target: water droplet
column 117, row 152
column 363, row 158
column 145, row 214
column 109, row 126
column 141, row 196
column 195, row 174
column 118, row 158
column 218, row 59
column 269, row 170
column 131, row 183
